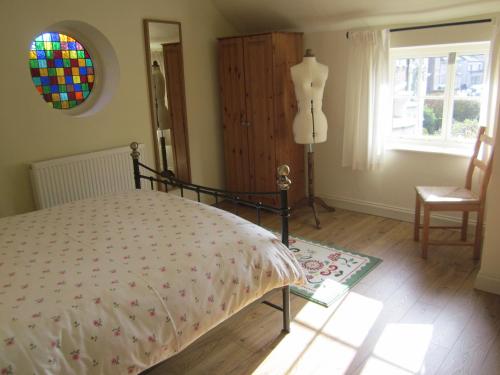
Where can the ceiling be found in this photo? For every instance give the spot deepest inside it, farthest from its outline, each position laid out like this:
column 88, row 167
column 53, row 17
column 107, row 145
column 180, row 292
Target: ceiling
column 312, row 15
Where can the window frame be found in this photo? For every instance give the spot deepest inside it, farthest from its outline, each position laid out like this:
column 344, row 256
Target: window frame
column 444, row 143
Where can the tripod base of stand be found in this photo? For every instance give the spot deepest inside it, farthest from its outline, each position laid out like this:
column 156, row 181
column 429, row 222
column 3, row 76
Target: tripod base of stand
column 313, row 202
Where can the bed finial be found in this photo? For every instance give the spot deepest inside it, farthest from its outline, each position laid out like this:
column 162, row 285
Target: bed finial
column 284, row 184
column 135, row 150
column 135, row 162
column 283, row 181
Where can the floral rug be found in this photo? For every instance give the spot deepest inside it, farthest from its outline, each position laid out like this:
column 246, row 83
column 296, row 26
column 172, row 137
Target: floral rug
column 330, row 272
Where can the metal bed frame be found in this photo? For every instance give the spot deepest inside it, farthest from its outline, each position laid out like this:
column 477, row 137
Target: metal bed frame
column 166, row 178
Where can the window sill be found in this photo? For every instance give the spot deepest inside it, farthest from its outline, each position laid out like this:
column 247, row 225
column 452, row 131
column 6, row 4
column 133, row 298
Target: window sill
column 465, row 152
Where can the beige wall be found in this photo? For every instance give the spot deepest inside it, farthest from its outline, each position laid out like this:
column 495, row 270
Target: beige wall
column 30, row 131
column 389, row 191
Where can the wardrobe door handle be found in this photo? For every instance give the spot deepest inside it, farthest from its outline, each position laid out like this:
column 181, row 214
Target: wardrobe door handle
column 245, row 123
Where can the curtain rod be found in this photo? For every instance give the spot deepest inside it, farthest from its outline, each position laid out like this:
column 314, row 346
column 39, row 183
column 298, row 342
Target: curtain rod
column 484, row 20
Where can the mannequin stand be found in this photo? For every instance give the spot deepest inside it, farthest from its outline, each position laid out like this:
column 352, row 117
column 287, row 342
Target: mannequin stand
column 312, row 200
column 163, row 148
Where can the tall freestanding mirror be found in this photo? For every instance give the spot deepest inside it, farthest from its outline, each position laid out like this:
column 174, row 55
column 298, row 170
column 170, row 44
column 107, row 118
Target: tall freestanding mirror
column 165, row 70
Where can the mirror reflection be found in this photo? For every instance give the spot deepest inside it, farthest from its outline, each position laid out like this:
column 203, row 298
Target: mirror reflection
column 167, row 96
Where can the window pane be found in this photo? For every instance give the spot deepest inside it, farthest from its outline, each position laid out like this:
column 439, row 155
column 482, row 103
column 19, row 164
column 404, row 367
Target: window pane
column 405, row 116
column 406, row 77
column 469, row 76
column 62, row 70
column 435, row 74
column 432, row 120
column 465, row 119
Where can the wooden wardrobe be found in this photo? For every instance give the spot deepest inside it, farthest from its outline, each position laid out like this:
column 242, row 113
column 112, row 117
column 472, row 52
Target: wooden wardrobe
column 258, row 108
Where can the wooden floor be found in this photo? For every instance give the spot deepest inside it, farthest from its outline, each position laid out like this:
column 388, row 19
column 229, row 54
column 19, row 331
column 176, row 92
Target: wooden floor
column 408, row 316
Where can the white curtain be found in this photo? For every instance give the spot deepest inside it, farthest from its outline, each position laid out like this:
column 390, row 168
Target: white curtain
column 368, row 103
column 491, row 109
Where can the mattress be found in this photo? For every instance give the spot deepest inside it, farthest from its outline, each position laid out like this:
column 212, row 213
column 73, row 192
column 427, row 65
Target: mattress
column 119, row 283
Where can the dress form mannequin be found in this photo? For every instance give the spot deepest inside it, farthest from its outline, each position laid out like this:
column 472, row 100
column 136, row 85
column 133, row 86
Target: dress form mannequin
column 161, row 114
column 310, row 125
column 309, row 78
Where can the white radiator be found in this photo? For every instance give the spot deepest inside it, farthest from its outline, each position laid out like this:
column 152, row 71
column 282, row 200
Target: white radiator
column 82, row 176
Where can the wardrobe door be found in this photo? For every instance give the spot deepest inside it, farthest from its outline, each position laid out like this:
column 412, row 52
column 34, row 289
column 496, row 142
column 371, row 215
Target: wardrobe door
column 260, row 111
column 234, row 120
column 174, row 72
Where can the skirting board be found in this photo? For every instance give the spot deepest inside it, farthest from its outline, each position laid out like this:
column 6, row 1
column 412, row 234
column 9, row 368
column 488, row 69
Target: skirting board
column 487, row 283
column 385, row 210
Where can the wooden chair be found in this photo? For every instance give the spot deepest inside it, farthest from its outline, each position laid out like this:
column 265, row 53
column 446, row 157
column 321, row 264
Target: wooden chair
column 452, row 198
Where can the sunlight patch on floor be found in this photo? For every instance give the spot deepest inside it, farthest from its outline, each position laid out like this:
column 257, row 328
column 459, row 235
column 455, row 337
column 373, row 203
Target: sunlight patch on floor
column 400, row 349
column 323, row 339
column 376, row 366
column 351, row 307
column 353, row 320
column 306, row 351
column 289, row 349
column 324, row 356
column 313, row 315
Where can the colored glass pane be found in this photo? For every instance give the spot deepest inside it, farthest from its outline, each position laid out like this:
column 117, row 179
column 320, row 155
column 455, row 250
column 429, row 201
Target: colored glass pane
column 61, row 69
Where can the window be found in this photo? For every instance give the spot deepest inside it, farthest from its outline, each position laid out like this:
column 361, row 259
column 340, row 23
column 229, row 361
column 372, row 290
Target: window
column 61, row 69
column 438, row 94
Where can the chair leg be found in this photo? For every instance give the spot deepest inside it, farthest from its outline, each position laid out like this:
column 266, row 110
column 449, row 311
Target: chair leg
column 416, row 230
column 465, row 225
column 425, row 231
column 479, row 234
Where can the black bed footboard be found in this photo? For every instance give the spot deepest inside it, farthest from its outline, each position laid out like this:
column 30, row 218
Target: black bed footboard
column 167, row 178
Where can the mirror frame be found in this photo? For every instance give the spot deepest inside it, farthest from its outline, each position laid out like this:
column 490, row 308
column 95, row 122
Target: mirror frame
column 158, row 159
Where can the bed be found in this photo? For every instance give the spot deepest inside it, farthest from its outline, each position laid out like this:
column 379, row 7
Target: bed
column 119, row 283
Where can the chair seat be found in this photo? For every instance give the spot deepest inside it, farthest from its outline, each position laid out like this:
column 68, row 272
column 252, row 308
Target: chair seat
column 446, row 194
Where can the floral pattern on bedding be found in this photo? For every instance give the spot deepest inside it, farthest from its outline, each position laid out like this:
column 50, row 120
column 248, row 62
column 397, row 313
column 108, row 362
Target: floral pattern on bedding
column 118, row 283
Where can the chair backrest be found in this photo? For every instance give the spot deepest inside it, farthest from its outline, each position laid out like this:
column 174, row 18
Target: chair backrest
column 483, row 165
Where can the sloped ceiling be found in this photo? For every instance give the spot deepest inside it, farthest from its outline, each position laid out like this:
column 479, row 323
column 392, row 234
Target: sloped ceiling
column 312, row 15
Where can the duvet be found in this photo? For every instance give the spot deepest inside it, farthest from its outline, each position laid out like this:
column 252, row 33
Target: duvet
column 119, row 283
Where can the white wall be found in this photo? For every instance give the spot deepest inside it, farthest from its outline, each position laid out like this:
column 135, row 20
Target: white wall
column 389, row 191
column 488, row 278
column 31, row 131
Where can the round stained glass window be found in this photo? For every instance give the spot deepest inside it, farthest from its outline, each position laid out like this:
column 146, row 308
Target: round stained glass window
column 62, row 70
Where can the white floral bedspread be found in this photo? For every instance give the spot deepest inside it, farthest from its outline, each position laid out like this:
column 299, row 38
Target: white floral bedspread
column 118, row 283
